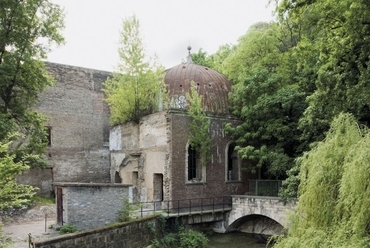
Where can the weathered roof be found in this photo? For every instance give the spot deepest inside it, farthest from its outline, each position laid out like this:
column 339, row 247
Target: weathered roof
column 212, row 85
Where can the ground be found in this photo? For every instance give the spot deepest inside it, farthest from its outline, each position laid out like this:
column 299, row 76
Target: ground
column 35, row 221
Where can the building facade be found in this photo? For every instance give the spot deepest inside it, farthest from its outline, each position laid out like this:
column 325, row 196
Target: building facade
column 155, row 156
column 78, row 128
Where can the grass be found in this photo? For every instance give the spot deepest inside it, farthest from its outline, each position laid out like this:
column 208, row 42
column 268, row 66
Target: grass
column 36, row 200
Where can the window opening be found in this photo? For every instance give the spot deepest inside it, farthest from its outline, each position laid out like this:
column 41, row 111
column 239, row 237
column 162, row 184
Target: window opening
column 232, row 163
column 192, row 163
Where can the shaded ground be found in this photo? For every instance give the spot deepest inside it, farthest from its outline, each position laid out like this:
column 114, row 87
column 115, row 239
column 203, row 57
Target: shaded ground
column 18, row 226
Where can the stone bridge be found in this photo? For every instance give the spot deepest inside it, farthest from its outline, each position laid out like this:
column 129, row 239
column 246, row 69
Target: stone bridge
column 258, row 214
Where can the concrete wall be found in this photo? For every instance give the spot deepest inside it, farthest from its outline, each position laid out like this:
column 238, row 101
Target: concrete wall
column 138, row 151
column 92, row 205
column 134, row 234
column 79, row 124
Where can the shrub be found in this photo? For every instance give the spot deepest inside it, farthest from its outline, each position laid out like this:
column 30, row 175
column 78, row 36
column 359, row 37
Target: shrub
column 68, row 228
column 191, row 239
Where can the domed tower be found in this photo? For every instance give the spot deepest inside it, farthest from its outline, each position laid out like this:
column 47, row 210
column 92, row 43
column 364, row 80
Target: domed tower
column 156, row 157
column 211, row 85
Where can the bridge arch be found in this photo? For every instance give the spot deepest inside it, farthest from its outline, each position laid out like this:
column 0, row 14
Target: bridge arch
column 262, row 225
column 258, row 213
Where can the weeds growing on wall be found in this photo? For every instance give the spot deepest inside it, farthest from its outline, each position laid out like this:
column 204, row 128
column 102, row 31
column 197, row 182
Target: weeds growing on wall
column 126, row 213
column 199, row 137
column 333, row 206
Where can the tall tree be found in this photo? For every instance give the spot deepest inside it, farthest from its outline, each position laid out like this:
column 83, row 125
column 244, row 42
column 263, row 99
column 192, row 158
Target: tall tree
column 337, row 33
column 137, row 88
column 267, row 99
column 27, row 29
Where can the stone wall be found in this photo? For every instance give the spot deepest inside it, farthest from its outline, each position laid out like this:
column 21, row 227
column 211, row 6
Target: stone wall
column 134, row 234
column 88, row 205
column 40, row 178
column 79, row 124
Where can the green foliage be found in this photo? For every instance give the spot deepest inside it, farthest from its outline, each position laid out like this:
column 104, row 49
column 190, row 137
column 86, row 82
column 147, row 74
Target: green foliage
column 36, row 199
column 137, row 88
column 182, row 239
column 27, row 30
column 190, row 239
column 11, row 193
column 199, row 137
column 67, row 228
column 202, row 58
column 336, row 35
column 4, row 242
column 333, row 203
column 126, row 213
column 266, row 99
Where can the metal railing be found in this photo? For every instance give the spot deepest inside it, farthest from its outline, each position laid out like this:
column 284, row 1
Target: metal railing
column 264, row 187
column 185, row 206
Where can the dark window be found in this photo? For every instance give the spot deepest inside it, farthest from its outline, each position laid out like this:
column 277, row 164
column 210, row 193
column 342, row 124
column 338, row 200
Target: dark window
column 192, row 163
column 48, row 135
column 232, row 163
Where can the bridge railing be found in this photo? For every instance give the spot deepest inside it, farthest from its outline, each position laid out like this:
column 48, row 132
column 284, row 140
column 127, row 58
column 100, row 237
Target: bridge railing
column 185, row 206
column 264, row 187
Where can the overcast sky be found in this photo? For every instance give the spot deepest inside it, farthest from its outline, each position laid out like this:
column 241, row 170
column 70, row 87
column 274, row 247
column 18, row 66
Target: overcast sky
column 167, row 27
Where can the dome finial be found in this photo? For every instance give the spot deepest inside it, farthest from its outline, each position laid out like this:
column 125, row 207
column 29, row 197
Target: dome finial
column 189, row 59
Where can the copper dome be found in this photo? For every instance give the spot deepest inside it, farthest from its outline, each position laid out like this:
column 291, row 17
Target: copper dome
column 211, row 85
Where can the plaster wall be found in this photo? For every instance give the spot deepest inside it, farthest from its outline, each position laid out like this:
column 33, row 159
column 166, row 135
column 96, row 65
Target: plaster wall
column 140, row 148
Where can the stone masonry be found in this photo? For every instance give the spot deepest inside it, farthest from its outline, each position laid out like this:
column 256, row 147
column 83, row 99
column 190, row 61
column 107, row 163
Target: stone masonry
column 89, row 206
column 79, row 125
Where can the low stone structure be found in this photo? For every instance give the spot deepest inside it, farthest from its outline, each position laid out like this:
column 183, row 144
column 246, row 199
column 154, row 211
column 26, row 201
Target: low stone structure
column 133, row 234
column 90, row 205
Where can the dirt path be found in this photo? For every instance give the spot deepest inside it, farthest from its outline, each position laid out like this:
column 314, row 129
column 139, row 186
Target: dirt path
column 32, row 221
column 19, row 232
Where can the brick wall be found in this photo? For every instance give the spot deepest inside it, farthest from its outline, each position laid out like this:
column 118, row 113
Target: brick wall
column 215, row 184
column 134, row 234
column 79, row 122
column 89, row 206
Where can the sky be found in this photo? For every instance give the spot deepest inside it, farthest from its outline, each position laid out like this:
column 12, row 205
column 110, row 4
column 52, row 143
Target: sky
column 167, row 28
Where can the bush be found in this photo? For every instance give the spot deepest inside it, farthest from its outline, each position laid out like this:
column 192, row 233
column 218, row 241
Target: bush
column 182, row 239
column 68, row 228
column 191, row 239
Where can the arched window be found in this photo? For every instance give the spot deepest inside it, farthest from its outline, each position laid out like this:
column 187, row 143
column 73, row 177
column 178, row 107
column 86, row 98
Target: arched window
column 232, row 164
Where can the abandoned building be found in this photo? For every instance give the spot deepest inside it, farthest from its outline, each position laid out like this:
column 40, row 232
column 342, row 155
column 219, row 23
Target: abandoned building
column 78, row 129
column 155, row 156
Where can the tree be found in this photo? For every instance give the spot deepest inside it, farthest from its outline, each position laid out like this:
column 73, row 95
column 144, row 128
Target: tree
column 137, row 88
column 333, row 202
column 267, row 99
column 199, row 137
column 202, row 58
column 338, row 34
column 27, row 29
column 11, row 193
